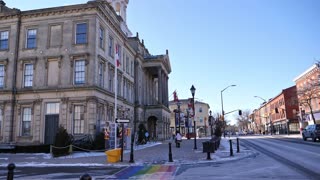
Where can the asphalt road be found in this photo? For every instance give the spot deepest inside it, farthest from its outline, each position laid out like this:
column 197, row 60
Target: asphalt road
column 275, row 158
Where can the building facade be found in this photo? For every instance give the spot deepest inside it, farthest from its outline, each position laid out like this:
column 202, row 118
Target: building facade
column 57, row 67
column 308, row 95
column 278, row 115
column 185, row 107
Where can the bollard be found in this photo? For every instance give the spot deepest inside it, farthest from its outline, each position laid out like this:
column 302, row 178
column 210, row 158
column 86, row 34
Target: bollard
column 85, row 177
column 238, row 147
column 10, row 167
column 208, row 156
column 231, row 151
column 170, row 153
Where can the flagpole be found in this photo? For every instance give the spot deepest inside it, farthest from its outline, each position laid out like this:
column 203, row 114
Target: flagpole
column 115, row 97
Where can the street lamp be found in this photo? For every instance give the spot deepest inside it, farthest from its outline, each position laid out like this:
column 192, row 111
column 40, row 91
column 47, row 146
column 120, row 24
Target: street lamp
column 222, row 97
column 187, row 124
column 179, row 128
column 193, row 90
column 260, row 98
column 265, row 102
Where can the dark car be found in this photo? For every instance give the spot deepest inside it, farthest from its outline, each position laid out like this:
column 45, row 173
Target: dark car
column 311, row 131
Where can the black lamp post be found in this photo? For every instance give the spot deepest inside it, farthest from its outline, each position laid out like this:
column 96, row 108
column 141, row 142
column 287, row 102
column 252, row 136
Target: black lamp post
column 193, row 90
column 187, row 125
column 179, row 128
column 211, row 122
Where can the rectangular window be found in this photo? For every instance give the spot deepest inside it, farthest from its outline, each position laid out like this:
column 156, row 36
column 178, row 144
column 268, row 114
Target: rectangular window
column 81, row 33
column 4, row 39
column 127, row 64
column 53, row 108
column 111, row 77
column 132, row 68
column 110, row 46
column 78, row 120
column 124, row 89
column 100, row 71
column 101, row 38
column 31, row 39
column 79, row 72
column 1, row 120
column 26, row 122
column 1, row 75
column 119, row 85
column 28, row 75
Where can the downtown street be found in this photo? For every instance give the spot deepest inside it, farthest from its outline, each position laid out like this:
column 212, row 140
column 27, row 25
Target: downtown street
column 260, row 157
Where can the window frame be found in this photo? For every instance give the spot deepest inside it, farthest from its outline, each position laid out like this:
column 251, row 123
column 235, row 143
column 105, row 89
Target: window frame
column 111, row 46
column 76, row 33
column 2, row 76
column 100, row 74
column 25, row 85
column 81, row 119
column 101, row 37
column 3, row 40
column 1, row 119
column 28, row 39
column 23, row 121
column 75, row 82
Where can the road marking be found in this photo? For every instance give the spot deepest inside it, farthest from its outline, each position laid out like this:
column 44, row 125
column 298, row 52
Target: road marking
column 146, row 172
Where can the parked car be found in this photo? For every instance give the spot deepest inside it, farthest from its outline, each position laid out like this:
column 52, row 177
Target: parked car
column 311, row 131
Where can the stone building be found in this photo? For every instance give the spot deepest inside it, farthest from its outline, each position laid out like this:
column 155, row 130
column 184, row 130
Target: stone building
column 57, row 67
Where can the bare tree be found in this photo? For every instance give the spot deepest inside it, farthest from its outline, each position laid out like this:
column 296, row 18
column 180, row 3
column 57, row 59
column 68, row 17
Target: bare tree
column 307, row 93
column 244, row 120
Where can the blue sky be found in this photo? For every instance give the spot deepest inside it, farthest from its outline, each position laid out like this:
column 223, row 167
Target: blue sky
column 258, row 45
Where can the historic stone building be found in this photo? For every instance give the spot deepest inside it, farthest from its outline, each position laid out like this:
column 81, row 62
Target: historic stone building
column 57, row 67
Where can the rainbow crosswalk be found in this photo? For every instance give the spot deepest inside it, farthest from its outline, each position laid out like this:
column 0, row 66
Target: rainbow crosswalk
column 158, row 172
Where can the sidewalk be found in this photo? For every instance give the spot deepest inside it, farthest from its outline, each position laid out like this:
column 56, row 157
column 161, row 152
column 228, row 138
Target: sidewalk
column 150, row 154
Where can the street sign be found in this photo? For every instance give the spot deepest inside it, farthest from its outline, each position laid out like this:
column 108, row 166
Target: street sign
column 122, row 120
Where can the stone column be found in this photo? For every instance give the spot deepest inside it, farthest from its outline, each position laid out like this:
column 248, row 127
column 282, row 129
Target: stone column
column 167, row 97
column 159, row 86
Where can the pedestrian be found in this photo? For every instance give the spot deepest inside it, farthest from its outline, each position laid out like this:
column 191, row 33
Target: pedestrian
column 146, row 134
column 173, row 136
column 178, row 139
column 106, row 138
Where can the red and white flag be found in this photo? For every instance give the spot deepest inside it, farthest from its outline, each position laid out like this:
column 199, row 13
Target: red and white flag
column 117, row 56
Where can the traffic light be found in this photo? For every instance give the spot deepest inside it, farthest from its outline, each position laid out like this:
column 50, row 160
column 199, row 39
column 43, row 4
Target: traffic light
column 240, row 113
column 276, row 110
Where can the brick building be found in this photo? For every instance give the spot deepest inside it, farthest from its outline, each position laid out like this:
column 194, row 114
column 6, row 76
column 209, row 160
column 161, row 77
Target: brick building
column 309, row 95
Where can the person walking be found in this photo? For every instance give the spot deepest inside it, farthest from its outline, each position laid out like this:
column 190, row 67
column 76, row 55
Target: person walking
column 106, row 138
column 146, row 134
column 178, row 139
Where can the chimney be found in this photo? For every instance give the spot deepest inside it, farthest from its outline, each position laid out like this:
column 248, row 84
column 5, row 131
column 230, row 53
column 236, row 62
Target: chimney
column 137, row 35
column 167, row 52
column 142, row 42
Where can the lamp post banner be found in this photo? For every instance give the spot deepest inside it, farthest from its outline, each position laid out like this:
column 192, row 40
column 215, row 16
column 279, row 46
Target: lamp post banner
column 177, row 119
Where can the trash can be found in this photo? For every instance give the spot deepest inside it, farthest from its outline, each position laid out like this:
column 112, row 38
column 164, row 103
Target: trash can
column 208, row 146
column 113, row 155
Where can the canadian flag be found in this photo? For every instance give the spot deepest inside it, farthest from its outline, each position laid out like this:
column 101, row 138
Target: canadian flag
column 117, row 56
